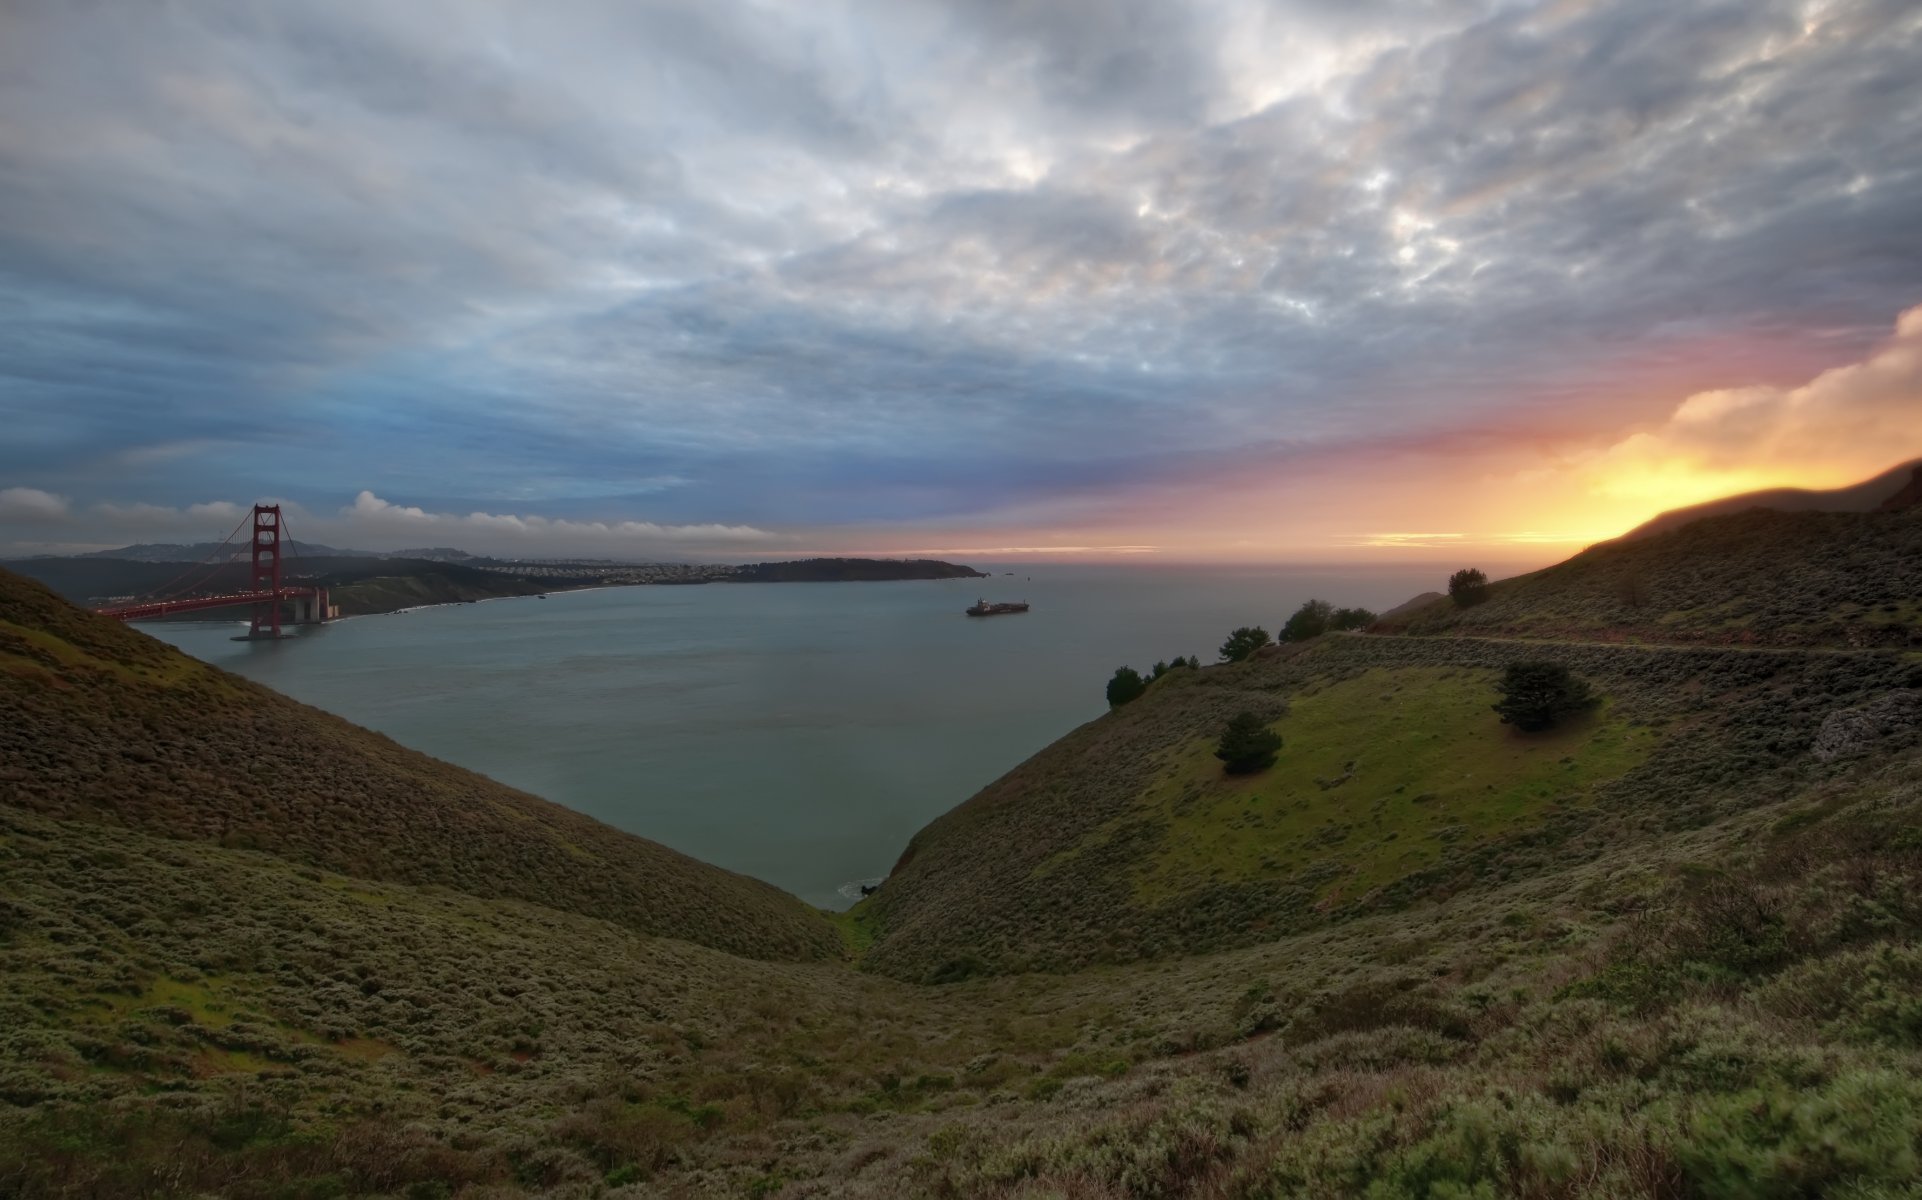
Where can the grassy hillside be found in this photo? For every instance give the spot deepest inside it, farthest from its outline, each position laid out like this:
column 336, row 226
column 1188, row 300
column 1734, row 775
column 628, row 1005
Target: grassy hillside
column 99, row 722
column 429, row 583
column 1753, row 578
column 1724, row 1012
column 1396, row 784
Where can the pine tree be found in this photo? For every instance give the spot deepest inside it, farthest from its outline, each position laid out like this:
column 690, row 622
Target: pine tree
column 1243, row 642
column 1537, row 693
column 1247, row 745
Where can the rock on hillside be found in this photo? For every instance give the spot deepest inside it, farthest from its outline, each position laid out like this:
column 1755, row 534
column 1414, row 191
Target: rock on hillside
column 100, row 723
column 1756, row 577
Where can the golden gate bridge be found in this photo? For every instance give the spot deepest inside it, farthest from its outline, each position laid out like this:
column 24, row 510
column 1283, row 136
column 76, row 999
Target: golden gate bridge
column 267, row 593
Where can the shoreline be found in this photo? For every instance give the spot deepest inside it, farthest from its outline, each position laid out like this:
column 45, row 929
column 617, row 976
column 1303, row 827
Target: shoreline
column 555, row 591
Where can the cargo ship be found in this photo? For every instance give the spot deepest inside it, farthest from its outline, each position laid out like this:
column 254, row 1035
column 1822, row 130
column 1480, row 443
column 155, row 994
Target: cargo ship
column 983, row 609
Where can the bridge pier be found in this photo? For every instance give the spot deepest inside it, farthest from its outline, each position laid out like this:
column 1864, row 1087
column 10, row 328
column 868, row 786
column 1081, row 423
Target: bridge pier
column 312, row 609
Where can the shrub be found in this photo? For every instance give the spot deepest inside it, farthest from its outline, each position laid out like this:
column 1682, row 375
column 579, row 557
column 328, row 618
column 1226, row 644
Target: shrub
column 1243, row 643
column 1780, row 1143
column 1247, row 745
column 1537, row 693
column 1351, row 618
column 1126, row 685
column 1468, row 587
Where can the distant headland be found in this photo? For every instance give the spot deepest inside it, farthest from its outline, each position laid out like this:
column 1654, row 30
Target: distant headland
column 364, row 583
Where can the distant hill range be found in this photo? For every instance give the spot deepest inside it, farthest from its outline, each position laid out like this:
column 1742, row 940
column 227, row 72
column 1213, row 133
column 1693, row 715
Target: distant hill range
column 176, row 552
column 188, row 552
column 1895, row 488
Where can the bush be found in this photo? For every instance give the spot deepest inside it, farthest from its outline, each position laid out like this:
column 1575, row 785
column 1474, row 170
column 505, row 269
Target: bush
column 1126, row 685
column 1247, row 745
column 1317, row 617
column 1537, row 693
column 1351, row 618
column 1856, row 1130
column 1468, row 587
column 1243, row 643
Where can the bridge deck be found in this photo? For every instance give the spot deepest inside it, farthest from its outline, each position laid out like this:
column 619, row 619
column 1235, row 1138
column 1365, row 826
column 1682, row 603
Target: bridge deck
column 161, row 608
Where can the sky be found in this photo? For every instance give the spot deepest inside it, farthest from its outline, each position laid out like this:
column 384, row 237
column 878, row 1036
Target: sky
column 1263, row 280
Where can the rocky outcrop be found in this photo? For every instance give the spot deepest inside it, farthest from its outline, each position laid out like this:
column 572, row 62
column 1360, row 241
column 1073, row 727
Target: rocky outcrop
column 1850, row 731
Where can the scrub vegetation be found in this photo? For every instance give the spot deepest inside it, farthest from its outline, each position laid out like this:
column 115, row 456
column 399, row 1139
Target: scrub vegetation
column 1671, row 947
column 1761, row 577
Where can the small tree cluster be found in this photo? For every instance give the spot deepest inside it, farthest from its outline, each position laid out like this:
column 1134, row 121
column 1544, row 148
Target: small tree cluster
column 1128, row 684
column 1468, row 587
column 1242, row 643
column 1247, row 745
column 1537, row 693
column 1317, row 617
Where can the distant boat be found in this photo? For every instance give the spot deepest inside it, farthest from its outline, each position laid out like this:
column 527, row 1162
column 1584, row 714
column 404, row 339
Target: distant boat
column 983, row 609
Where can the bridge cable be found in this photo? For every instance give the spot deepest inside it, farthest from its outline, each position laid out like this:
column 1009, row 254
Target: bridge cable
column 162, row 592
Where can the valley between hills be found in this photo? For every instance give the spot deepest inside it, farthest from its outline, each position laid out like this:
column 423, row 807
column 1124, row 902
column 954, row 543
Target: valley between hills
column 1670, row 948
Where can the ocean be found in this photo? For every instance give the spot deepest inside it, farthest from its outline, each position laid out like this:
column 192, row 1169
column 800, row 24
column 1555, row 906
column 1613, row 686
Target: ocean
column 796, row 732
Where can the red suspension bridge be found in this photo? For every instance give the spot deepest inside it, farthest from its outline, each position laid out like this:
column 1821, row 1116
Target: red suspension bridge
column 268, row 595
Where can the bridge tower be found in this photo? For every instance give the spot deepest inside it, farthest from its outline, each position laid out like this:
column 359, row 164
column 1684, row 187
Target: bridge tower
column 266, row 575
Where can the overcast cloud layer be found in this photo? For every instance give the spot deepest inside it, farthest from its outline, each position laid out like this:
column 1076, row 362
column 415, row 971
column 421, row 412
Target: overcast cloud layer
column 708, row 277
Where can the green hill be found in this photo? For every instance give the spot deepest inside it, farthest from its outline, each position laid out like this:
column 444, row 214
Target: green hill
column 1671, row 949
column 1396, row 784
column 103, row 723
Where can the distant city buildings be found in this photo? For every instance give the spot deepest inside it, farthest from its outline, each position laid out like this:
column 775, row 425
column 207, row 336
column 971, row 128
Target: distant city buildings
column 611, row 573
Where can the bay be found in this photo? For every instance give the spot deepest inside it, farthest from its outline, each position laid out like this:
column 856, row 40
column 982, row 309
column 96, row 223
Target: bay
column 799, row 733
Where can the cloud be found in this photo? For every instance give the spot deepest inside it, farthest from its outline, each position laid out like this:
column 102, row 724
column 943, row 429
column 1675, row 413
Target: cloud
column 1398, row 541
column 371, row 515
column 200, row 519
column 1840, row 426
column 27, row 505
column 373, row 523
column 938, row 259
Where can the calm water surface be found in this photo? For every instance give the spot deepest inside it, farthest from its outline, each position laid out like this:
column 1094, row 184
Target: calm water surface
column 800, row 733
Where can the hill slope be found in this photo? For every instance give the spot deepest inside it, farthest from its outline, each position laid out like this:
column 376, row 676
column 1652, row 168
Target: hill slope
column 1751, row 578
column 1396, row 784
column 1893, row 488
column 100, row 722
